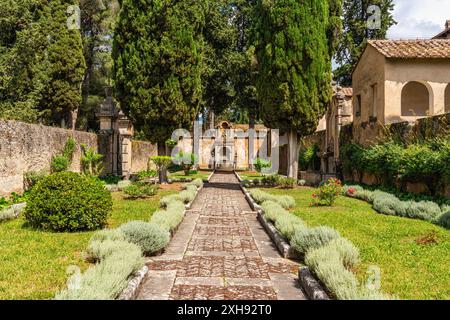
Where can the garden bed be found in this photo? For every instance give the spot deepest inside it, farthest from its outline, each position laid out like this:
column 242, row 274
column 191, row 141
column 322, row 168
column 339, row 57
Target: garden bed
column 181, row 177
column 34, row 263
column 411, row 254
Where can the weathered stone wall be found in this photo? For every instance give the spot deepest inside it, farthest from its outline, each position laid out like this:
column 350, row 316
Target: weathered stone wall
column 141, row 151
column 28, row 147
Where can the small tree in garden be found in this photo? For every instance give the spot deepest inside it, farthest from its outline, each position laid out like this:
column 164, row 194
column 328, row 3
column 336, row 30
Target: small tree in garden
column 162, row 163
column 328, row 193
column 262, row 164
column 92, row 161
column 185, row 160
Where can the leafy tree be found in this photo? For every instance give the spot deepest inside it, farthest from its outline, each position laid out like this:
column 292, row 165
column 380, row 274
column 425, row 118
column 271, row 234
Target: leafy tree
column 41, row 62
column 294, row 42
column 158, row 57
column 162, row 163
column 356, row 33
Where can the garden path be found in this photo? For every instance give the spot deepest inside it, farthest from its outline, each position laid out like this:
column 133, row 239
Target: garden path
column 221, row 252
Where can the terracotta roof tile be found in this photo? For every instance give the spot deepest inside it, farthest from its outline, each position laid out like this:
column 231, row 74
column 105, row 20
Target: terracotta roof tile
column 410, row 49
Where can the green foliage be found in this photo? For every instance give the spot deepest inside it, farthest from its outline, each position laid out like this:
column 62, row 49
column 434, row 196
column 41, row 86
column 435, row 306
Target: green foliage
column 186, row 160
column 260, row 196
column 62, row 162
column 444, row 219
column 197, row 182
column 273, row 210
column 150, row 237
column 287, row 224
column 355, row 33
column 107, row 279
column 140, row 190
column 328, row 192
column 261, row 164
column 170, row 218
column 91, row 161
column 107, row 234
column 292, row 47
column 41, row 62
column 312, row 238
column 31, row 178
column 147, row 174
column 391, row 162
column 168, row 57
column 347, row 251
column 99, row 250
column 286, row 182
column 161, row 162
column 59, row 164
column 67, row 201
column 308, row 158
column 185, row 196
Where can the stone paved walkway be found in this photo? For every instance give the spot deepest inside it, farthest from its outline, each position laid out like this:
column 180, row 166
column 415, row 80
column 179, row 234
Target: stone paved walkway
column 221, row 252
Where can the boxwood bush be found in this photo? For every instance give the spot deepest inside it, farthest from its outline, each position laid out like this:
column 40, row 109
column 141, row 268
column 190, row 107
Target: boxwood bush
column 306, row 239
column 67, row 201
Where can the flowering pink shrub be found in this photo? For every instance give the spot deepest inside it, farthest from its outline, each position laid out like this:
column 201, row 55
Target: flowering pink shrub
column 328, row 193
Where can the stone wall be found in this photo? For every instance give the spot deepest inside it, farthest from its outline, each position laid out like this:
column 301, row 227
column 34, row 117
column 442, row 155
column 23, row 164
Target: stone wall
column 141, row 152
column 28, row 147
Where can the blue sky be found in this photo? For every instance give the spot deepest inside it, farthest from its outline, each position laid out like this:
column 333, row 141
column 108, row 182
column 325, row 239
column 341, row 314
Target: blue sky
column 419, row 18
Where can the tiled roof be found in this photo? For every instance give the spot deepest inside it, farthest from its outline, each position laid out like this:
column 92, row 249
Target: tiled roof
column 409, row 49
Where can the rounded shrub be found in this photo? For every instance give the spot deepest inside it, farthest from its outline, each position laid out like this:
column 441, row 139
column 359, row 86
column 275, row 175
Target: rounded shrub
column 67, row 201
column 348, row 253
column 150, row 237
column 305, row 239
column 273, row 210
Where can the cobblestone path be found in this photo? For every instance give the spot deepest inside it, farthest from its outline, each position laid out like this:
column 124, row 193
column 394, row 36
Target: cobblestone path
column 221, row 252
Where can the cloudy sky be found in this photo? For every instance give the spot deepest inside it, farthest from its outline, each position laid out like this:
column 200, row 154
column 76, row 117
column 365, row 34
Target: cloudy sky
column 419, row 18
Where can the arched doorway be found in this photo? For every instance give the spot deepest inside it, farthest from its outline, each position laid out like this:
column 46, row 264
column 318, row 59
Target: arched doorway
column 415, row 100
column 447, row 99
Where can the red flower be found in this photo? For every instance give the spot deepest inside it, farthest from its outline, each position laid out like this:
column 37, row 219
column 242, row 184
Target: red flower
column 314, row 195
column 351, row 191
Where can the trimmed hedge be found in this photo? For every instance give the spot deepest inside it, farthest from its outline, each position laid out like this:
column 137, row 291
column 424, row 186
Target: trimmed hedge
column 107, row 279
column 305, row 239
column 170, row 218
column 67, row 201
column 389, row 204
column 150, row 237
column 260, row 196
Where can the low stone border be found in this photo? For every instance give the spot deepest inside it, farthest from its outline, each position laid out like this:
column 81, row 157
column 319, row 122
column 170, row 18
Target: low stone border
column 286, row 250
column 308, row 282
column 12, row 212
column 310, row 285
column 131, row 290
column 210, row 176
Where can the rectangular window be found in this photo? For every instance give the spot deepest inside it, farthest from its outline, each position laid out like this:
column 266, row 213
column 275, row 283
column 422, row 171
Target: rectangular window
column 358, row 106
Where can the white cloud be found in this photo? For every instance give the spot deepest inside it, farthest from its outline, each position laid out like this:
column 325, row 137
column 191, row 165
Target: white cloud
column 419, row 18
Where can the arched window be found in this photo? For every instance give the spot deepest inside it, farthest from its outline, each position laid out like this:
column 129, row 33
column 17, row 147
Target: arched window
column 415, row 99
column 447, row 98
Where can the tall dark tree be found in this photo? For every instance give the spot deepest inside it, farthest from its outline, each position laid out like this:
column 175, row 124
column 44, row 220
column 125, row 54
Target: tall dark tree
column 356, row 32
column 158, row 56
column 294, row 42
column 41, row 62
column 220, row 51
column 97, row 29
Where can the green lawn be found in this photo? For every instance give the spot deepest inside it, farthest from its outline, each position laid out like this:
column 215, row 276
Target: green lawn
column 250, row 175
column 33, row 263
column 200, row 174
column 408, row 270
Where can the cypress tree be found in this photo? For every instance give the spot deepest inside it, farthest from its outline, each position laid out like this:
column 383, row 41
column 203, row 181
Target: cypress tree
column 41, row 62
column 158, row 57
column 356, row 33
column 294, row 42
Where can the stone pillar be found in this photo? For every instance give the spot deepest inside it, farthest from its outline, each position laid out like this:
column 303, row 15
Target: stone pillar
column 107, row 114
column 125, row 153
